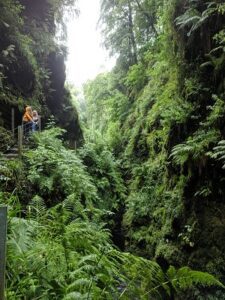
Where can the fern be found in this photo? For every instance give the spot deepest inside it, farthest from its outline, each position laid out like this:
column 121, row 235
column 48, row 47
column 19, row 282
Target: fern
column 58, row 171
column 74, row 296
column 21, row 234
column 195, row 147
column 74, row 259
column 218, row 153
column 36, row 209
column 185, row 278
column 193, row 19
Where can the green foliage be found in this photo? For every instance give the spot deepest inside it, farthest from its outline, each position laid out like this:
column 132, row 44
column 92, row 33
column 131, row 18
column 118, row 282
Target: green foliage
column 105, row 173
column 195, row 148
column 162, row 116
column 57, row 171
column 97, row 94
column 184, row 278
column 6, row 139
column 218, row 152
column 61, row 258
column 106, row 110
column 149, row 165
column 216, row 112
column 65, row 251
column 193, row 18
column 127, row 26
column 136, row 77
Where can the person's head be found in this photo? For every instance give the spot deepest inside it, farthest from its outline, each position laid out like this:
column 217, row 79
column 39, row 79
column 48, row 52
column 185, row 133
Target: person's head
column 35, row 114
column 29, row 109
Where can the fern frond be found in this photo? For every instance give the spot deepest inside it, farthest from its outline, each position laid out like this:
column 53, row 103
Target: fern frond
column 88, row 258
column 79, row 283
column 37, row 208
column 74, row 296
column 218, row 152
column 22, row 233
column 185, row 278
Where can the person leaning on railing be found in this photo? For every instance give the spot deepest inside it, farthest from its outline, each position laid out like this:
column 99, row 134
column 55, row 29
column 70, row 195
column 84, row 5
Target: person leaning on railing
column 36, row 121
column 27, row 120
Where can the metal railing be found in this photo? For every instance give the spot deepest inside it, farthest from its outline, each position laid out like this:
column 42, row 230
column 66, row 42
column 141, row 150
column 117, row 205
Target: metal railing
column 24, row 132
column 20, row 134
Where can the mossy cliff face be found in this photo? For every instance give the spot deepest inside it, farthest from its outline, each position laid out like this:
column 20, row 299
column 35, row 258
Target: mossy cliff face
column 32, row 64
column 201, row 223
column 163, row 119
column 179, row 119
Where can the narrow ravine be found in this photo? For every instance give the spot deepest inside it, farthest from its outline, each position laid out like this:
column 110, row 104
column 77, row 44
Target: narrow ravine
column 120, row 194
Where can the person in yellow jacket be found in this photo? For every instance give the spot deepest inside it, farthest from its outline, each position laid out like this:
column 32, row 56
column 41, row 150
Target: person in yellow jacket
column 27, row 120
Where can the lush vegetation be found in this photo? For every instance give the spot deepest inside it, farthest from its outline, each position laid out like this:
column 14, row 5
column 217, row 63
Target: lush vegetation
column 59, row 244
column 161, row 112
column 140, row 204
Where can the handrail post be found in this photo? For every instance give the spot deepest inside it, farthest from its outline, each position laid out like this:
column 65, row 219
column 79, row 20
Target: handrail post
column 3, row 234
column 20, row 140
column 13, row 122
column 39, row 123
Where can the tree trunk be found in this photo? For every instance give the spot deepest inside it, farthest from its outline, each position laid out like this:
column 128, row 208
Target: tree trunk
column 132, row 36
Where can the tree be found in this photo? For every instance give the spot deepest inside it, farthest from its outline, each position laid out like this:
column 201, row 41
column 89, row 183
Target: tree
column 117, row 18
